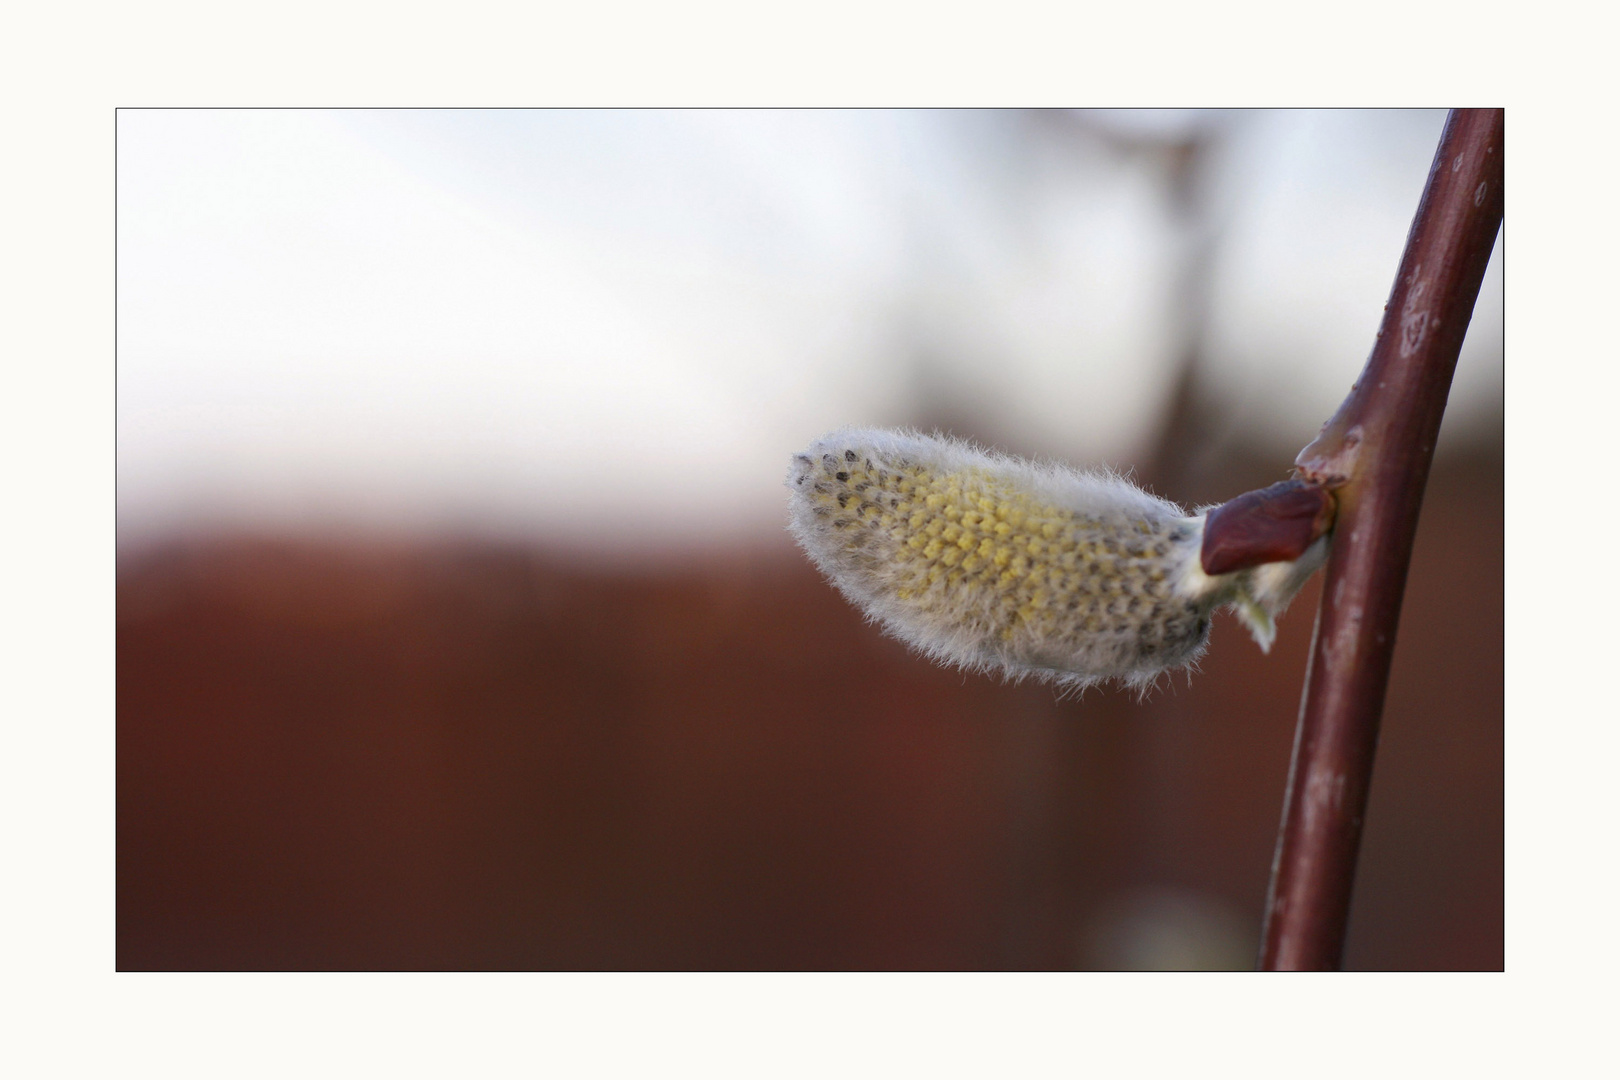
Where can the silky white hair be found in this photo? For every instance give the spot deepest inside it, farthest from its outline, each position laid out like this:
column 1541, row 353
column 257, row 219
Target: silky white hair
column 987, row 562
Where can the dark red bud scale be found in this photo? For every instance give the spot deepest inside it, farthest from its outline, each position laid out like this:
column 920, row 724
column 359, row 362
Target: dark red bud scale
column 1274, row 524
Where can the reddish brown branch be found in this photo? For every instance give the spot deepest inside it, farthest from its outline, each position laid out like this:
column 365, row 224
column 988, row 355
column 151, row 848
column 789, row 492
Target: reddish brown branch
column 1375, row 455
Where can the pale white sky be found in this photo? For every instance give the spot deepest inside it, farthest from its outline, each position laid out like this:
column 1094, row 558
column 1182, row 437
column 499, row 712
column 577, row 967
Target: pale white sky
column 614, row 326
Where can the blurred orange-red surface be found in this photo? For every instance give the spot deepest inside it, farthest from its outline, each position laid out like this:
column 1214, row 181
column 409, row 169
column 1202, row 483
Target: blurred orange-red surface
column 353, row 754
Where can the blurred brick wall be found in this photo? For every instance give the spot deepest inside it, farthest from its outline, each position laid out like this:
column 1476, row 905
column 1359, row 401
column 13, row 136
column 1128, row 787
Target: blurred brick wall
column 374, row 755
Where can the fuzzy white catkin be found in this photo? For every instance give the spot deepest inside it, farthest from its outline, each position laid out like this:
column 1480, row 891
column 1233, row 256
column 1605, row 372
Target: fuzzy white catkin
column 992, row 563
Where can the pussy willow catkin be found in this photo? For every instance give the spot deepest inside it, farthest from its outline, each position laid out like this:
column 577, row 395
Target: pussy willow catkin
column 989, row 562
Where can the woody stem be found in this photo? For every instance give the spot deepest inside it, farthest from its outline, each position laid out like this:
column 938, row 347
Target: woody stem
column 1374, row 454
